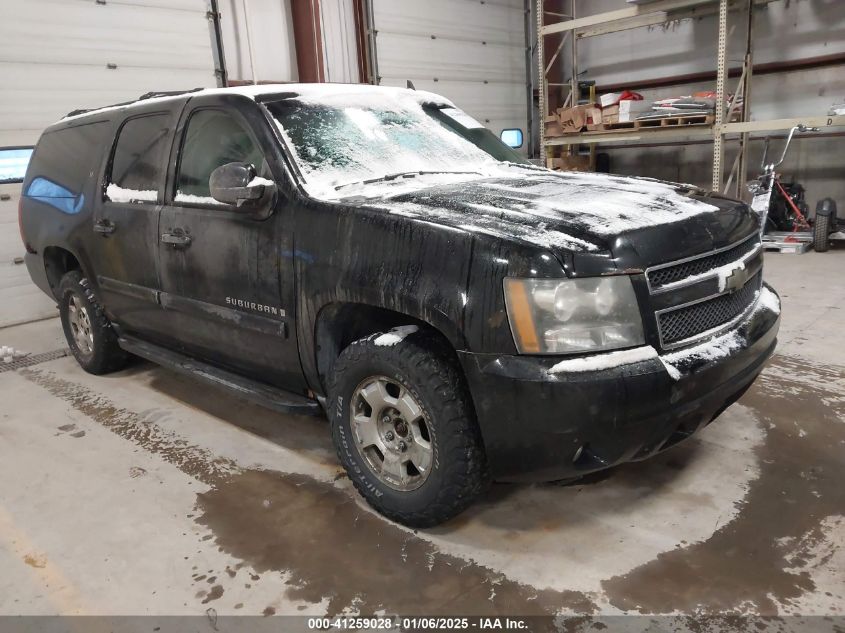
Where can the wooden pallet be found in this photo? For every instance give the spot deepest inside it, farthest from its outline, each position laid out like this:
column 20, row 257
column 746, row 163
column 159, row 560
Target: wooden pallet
column 786, row 242
column 674, row 121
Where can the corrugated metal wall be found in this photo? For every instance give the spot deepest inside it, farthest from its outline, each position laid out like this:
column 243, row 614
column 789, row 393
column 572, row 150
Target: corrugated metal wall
column 55, row 56
column 269, row 29
column 471, row 52
column 340, row 49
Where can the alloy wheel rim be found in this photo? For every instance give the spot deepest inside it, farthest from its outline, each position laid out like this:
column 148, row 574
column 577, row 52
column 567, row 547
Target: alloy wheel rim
column 392, row 433
column 80, row 325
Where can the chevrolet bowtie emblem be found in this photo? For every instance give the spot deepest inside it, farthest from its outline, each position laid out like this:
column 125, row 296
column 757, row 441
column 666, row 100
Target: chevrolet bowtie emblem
column 737, row 279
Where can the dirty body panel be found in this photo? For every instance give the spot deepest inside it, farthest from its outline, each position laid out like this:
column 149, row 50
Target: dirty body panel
column 250, row 291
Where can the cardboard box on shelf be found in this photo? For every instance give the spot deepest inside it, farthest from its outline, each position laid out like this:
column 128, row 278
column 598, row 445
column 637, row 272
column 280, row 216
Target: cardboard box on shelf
column 625, row 111
column 553, row 126
column 577, row 118
column 609, row 99
column 630, row 110
column 569, row 163
column 610, row 114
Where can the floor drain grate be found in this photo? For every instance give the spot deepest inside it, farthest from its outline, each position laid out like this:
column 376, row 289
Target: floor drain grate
column 32, row 359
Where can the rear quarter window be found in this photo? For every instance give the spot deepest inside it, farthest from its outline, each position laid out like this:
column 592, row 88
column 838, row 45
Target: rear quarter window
column 63, row 162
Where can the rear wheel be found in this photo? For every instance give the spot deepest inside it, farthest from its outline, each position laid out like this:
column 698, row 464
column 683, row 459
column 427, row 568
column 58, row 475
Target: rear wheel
column 821, row 233
column 405, row 430
column 89, row 334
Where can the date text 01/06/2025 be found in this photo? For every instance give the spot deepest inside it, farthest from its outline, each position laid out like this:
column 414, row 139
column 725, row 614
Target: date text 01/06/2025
column 418, row 623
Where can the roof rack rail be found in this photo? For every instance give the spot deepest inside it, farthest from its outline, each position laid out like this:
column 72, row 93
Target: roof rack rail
column 146, row 95
column 84, row 110
column 166, row 93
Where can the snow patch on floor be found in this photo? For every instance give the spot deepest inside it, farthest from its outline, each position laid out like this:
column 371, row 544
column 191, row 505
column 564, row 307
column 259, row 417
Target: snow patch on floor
column 394, row 336
column 8, row 354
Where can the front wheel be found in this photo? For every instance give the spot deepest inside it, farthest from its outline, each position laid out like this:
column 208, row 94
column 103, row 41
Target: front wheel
column 405, row 430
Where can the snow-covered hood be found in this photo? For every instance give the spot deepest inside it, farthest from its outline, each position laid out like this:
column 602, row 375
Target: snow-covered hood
column 636, row 221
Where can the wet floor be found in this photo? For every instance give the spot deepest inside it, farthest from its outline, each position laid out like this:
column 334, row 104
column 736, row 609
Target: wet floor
column 145, row 492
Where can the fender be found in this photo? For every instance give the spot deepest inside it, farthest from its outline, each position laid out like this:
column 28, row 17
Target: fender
column 347, row 254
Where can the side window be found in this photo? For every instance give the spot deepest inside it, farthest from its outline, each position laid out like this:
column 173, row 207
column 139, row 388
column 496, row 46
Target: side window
column 64, row 163
column 213, row 138
column 140, row 160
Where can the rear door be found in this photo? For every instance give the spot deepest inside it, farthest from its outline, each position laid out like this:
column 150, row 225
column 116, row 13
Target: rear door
column 126, row 222
column 228, row 281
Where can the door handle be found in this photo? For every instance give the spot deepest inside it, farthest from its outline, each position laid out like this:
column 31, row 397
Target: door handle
column 104, row 227
column 178, row 239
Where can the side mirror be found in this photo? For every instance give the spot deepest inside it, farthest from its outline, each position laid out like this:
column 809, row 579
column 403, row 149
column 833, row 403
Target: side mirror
column 238, row 185
column 512, row 137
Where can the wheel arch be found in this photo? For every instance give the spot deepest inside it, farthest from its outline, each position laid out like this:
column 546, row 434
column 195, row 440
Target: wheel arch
column 340, row 323
column 58, row 261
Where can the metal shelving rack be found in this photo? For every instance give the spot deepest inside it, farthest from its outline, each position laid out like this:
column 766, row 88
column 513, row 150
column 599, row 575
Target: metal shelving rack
column 651, row 14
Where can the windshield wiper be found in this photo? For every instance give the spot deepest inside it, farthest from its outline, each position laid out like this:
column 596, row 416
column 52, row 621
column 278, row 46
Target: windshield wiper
column 401, row 174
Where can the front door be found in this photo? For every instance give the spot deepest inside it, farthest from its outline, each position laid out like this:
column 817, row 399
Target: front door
column 125, row 222
column 225, row 280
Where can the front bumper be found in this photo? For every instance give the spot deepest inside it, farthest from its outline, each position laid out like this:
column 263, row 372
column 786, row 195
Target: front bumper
column 543, row 426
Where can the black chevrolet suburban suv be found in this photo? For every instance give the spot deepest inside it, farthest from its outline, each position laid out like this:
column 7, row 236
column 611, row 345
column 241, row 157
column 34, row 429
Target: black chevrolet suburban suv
column 459, row 314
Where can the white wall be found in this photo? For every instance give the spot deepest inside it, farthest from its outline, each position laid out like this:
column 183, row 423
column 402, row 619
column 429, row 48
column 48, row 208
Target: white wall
column 61, row 55
column 340, row 47
column 268, row 27
column 469, row 51
column 55, row 57
column 784, row 30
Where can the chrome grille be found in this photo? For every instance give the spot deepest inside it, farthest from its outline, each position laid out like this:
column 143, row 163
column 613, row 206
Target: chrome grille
column 692, row 320
column 659, row 276
column 690, row 303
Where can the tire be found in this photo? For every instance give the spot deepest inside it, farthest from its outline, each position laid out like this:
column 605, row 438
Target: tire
column 420, row 368
column 89, row 333
column 821, row 233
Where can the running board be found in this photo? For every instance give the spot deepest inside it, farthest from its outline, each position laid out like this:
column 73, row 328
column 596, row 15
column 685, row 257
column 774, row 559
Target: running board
column 259, row 393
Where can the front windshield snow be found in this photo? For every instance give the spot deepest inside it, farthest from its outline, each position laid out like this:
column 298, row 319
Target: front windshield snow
column 371, row 144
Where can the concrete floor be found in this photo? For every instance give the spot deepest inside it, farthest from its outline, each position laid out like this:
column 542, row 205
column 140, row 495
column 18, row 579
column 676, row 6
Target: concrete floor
column 145, row 493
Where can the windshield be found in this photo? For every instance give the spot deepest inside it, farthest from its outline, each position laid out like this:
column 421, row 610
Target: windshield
column 372, row 144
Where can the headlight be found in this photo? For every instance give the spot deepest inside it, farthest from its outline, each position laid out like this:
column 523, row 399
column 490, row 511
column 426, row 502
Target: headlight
column 568, row 316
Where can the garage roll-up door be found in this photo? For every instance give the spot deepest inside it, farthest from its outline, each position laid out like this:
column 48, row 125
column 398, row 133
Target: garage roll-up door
column 60, row 55
column 469, row 51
